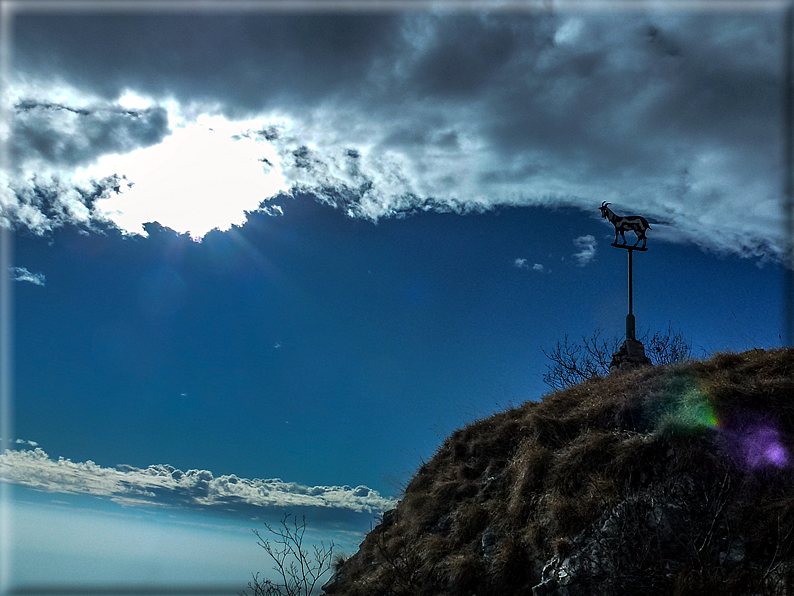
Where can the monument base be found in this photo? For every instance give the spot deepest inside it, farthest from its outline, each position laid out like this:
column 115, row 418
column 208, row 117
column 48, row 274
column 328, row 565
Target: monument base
column 630, row 355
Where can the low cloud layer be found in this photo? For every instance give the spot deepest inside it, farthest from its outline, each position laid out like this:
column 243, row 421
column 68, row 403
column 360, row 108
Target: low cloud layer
column 672, row 115
column 165, row 485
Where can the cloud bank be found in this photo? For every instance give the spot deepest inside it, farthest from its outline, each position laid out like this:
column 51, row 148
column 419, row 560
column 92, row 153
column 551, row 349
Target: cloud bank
column 165, row 485
column 673, row 115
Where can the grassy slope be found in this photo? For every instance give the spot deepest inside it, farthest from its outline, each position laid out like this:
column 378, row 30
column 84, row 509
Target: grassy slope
column 693, row 461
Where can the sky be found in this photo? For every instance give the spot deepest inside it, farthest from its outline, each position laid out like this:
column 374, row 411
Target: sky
column 264, row 259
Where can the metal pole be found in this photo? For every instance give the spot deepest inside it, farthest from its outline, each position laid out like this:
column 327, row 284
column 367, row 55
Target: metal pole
column 630, row 316
column 631, row 309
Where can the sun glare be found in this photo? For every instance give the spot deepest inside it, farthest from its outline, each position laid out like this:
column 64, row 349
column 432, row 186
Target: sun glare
column 205, row 175
column 133, row 101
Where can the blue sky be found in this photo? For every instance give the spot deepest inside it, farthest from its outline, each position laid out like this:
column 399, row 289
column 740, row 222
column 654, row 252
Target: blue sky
column 268, row 261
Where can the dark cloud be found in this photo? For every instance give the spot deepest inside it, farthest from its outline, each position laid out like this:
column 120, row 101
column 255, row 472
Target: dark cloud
column 465, row 55
column 449, row 110
column 61, row 135
column 526, row 77
column 247, row 61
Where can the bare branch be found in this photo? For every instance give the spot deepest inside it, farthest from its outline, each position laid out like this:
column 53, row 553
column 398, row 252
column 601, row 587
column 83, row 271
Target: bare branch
column 296, row 570
column 573, row 363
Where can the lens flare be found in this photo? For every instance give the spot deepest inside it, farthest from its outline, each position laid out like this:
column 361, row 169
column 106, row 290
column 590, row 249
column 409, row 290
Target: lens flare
column 752, row 437
column 761, row 446
column 696, row 410
column 687, row 409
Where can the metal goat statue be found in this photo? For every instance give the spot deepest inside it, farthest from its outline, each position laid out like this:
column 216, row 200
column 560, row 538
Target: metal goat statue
column 635, row 223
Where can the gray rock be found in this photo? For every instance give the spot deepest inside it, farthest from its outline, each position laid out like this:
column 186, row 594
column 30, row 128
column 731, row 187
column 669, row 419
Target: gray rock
column 489, row 543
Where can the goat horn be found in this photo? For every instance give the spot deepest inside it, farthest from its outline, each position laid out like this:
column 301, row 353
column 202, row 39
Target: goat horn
column 604, row 204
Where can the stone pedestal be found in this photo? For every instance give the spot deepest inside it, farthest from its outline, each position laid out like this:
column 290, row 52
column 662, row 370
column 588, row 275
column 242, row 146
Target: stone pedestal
column 630, row 355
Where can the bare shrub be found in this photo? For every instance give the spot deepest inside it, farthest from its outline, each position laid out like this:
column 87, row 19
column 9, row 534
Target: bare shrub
column 298, row 570
column 667, row 347
column 575, row 362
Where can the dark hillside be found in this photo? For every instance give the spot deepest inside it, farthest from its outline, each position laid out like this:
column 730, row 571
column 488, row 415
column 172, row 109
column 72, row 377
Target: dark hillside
column 661, row 480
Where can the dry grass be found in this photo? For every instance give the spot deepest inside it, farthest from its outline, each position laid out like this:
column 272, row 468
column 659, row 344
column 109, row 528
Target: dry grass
column 505, row 494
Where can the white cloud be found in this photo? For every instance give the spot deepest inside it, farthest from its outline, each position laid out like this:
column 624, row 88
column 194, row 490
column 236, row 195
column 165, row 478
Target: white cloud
column 569, row 32
column 22, row 274
column 524, row 264
column 23, row 442
column 587, row 249
column 167, row 486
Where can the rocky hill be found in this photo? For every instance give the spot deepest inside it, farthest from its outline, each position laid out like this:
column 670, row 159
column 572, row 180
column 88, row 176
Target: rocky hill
column 660, row 480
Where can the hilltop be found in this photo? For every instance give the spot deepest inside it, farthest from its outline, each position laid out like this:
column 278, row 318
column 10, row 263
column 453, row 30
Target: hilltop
column 659, row 480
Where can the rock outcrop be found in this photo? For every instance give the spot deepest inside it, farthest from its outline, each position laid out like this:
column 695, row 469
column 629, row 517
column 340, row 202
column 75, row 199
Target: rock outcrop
column 657, row 480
